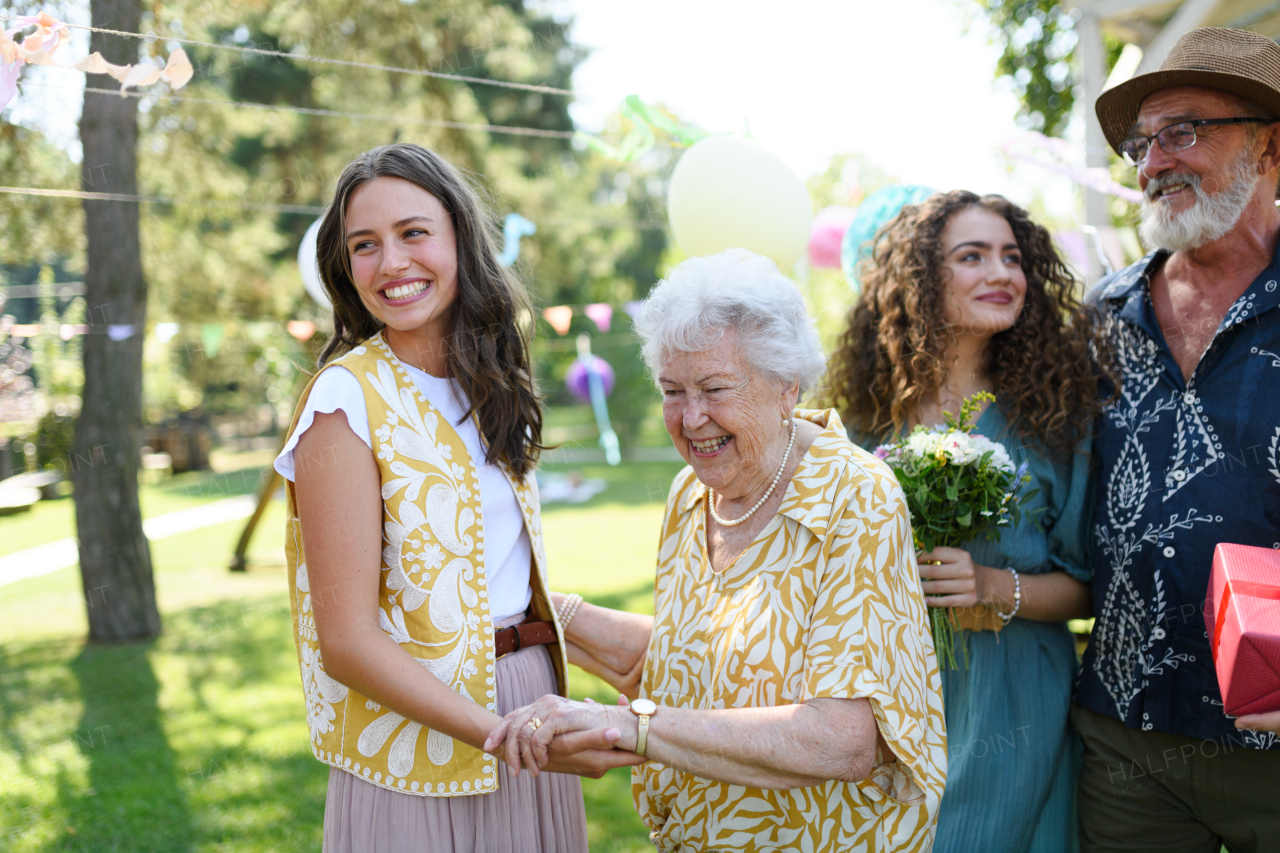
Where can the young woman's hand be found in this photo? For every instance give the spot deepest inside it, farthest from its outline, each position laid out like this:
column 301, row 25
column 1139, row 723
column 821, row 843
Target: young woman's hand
column 559, row 735
column 952, row 579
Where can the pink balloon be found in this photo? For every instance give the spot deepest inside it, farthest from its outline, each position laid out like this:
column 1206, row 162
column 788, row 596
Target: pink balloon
column 826, row 233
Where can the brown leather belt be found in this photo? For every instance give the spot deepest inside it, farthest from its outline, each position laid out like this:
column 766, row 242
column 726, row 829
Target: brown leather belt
column 522, row 636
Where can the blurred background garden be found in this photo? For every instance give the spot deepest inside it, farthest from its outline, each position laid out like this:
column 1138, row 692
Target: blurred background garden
column 185, row 730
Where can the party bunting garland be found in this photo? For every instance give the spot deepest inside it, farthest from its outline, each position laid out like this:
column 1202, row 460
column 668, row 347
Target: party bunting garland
column 600, row 313
column 50, row 34
column 212, row 335
column 302, row 57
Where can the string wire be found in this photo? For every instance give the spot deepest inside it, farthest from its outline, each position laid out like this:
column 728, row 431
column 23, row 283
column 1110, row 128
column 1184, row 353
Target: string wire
column 152, row 199
column 430, row 122
column 346, row 63
column 225, row 204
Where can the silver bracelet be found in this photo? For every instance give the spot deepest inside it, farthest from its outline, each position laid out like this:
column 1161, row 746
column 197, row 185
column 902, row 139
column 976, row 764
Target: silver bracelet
column 1017, row 597
column 568, row 610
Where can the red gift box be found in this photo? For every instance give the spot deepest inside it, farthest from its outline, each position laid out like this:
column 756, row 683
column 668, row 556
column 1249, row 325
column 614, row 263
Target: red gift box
column 1243, row 618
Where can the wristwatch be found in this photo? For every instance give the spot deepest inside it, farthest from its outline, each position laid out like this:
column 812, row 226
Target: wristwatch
column 644, row 709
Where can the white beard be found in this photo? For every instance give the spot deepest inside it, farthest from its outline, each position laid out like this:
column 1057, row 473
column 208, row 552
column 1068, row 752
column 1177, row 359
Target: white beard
column 1209, row 218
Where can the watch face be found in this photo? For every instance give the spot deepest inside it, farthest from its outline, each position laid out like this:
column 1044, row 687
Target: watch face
column 643, row 707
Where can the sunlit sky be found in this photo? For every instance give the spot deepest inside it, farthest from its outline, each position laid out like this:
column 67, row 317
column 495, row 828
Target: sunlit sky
column 909, row 84
column 901, row 82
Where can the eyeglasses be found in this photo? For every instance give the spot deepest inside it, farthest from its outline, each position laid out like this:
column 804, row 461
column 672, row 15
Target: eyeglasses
column 1175, row 137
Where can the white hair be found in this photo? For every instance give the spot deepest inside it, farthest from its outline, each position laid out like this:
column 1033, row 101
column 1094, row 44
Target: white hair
column 1208, row 219
column 702, row 298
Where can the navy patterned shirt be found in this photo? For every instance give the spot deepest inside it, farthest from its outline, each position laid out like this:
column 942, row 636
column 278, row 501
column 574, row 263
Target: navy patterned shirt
column 1184, row 465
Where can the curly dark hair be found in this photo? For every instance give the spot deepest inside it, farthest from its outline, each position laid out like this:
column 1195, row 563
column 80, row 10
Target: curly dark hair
column 488, row 350
column 1046, row 368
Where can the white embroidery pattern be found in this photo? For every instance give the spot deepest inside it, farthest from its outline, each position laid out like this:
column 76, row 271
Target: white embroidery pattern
column 412, row 438
column 1275, row 359
column 1129, row 628
column 1273, row 455
column 1251, row 738
column 321, row 693
column 1242, row 307
column 1196, row 446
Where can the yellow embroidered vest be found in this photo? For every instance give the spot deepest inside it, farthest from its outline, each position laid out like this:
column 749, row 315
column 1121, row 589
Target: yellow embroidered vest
column 433, row 599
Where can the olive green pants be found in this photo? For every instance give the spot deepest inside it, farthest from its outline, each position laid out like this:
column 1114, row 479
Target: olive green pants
column 1150, row 791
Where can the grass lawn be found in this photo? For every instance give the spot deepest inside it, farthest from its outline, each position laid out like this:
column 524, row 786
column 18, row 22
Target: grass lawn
column 197, row 741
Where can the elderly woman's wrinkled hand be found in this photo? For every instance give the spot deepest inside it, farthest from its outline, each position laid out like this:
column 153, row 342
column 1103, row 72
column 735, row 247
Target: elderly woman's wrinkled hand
column 561, row 736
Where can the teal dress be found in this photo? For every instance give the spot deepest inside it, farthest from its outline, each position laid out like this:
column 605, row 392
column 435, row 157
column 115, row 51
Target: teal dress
column 1012, row 760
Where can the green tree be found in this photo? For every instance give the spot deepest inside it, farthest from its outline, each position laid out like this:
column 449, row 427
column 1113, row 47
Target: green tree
column 1038, row 41
column 600, row 234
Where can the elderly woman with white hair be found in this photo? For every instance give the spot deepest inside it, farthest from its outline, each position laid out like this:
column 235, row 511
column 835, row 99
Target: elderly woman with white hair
column 785, row 692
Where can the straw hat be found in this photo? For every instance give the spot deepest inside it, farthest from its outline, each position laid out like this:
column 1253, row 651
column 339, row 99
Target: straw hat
column 1236, row 61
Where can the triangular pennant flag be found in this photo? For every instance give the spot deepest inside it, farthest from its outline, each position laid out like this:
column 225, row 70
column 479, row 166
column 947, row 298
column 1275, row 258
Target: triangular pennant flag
column 559, row 316
column 301, row 329
column 601, row 314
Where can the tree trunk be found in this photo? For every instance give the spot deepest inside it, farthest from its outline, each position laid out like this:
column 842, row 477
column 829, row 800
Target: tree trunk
column 115, row 560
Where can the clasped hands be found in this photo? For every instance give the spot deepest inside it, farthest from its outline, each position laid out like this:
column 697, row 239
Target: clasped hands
column 560, row 735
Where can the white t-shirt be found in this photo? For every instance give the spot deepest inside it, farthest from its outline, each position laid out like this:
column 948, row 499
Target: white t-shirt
column 507, row 548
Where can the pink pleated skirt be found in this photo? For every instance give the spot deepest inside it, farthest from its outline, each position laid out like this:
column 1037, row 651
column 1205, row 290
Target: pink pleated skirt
column 525, row 815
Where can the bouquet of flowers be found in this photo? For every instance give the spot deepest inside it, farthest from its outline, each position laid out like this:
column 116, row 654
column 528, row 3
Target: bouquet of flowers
column 959, row 486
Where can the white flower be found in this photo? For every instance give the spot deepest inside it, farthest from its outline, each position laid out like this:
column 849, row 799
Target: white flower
column 432, row 556
column 444, row 450
column 383, row 433
column 385, row 452
column 922, row 444
column 469, row 668
column 958, row 448
column 1001, row 459
column 459, row 473
column 392, row 418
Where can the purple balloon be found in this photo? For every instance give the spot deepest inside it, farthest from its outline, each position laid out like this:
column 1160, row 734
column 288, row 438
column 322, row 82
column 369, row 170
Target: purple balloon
column 578, row 381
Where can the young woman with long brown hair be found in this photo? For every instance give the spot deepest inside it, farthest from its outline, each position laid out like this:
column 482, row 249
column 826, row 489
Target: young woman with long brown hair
column 965, row 294
column 417, row 576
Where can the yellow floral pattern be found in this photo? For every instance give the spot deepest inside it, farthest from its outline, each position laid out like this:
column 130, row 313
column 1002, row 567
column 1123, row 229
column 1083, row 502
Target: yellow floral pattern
column 433, row 599
column 826, row 602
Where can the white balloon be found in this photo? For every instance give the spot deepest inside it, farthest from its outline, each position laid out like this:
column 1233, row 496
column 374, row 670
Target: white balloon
column 728, row 192
column 310, row 269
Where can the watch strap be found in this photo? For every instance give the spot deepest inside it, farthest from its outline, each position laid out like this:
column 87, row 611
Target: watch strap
column 642, row 735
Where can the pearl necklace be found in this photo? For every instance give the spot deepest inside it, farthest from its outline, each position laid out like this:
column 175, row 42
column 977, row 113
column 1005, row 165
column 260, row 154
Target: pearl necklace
column 711, row 493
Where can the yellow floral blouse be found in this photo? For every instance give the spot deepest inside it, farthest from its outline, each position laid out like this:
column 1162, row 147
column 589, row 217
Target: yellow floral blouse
column 825, row 603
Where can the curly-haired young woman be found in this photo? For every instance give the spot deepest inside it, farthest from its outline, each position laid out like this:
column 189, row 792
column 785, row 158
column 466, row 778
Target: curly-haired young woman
column 964, row 294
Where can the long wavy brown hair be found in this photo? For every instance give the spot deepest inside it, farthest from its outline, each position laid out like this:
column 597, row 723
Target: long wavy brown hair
column 1046, row 368
column 488, row 350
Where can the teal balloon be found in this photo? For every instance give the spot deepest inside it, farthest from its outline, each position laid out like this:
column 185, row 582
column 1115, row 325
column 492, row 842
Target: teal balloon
column 877, row 209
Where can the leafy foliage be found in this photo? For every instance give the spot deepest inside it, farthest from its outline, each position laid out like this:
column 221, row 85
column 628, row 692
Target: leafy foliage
column 1038, row 39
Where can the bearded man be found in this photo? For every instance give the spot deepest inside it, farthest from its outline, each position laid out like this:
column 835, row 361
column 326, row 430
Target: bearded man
column 1189, row 453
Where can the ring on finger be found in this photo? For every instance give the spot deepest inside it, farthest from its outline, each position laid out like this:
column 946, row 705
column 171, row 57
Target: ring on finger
column 534, row 724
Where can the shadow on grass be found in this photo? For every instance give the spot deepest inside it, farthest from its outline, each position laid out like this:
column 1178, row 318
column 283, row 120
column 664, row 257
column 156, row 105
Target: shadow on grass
column 207, row 485
column 136, row 801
